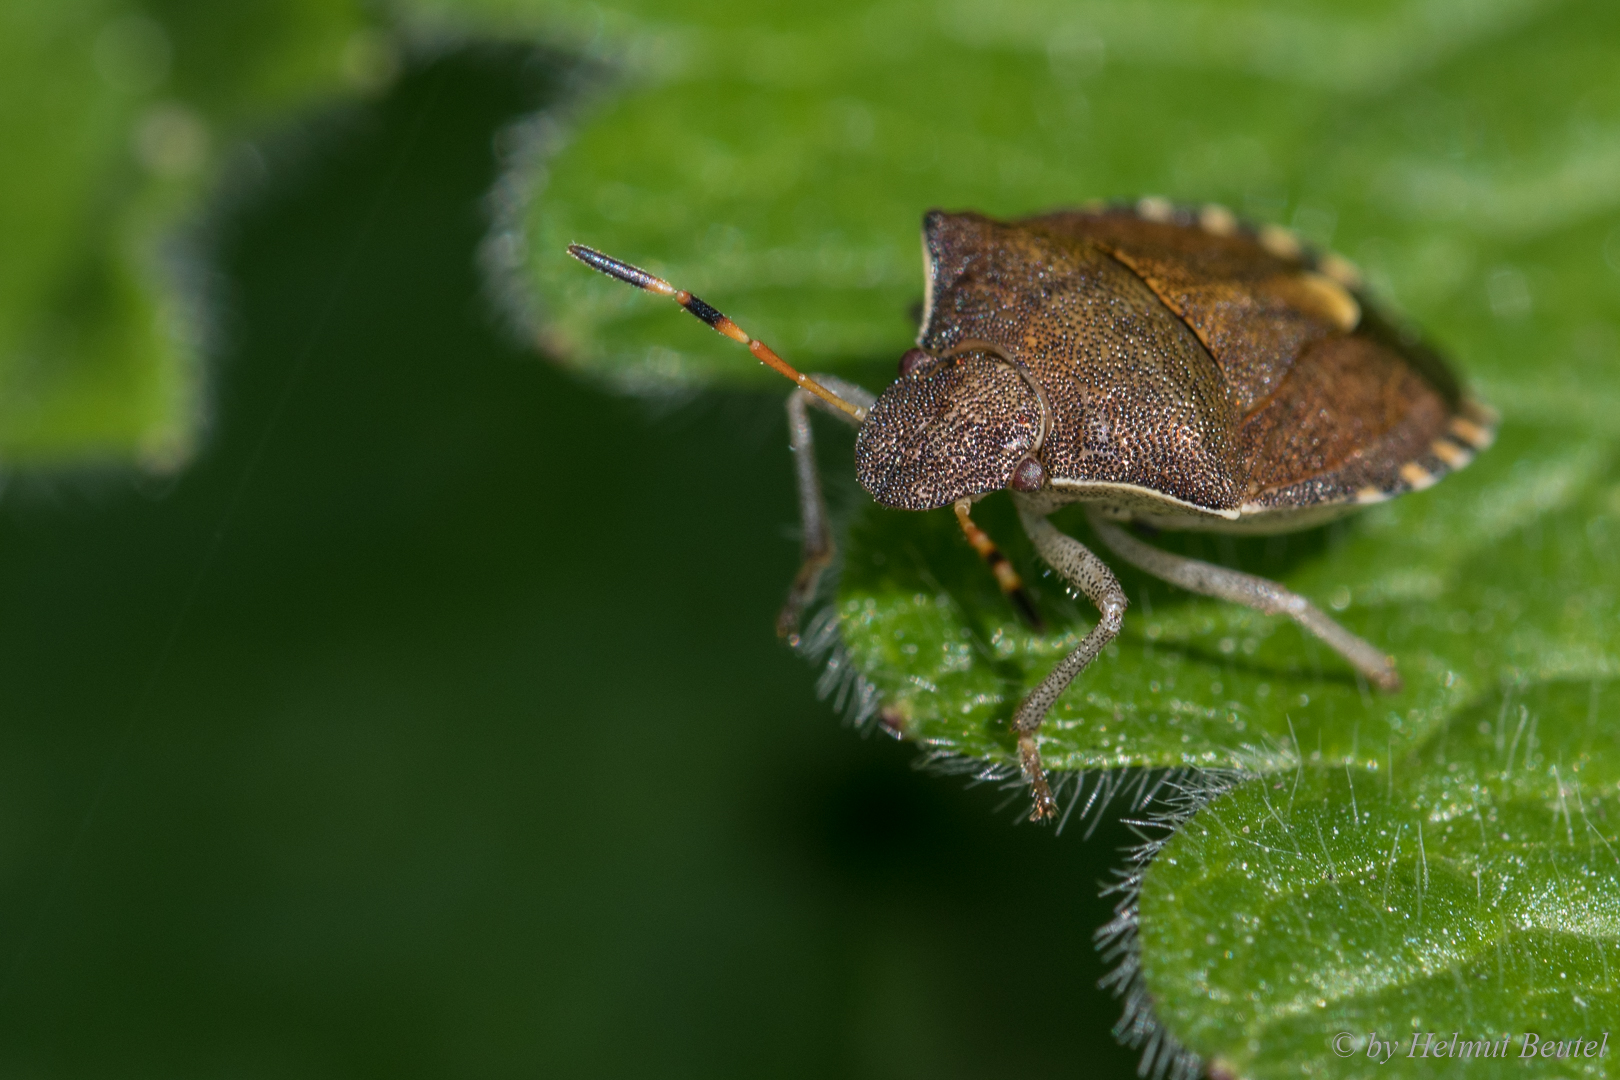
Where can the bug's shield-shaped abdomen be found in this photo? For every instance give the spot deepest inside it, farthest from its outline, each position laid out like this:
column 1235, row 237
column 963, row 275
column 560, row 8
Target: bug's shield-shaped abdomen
column 957, row 427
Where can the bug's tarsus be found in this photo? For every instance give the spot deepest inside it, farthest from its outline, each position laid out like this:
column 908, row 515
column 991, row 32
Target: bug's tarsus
column 713, row 317
column 800, row 594
column 816, row 552
column 1043, row 806
column 1006, row 577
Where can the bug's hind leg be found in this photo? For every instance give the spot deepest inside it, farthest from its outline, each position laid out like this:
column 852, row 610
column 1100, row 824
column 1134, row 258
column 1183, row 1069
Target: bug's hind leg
column 1250, row 591
column 1075, row 562
column 818, row 548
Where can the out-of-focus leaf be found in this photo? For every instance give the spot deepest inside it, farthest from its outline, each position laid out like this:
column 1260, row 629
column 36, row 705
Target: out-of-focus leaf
column 116, row 119
column 777, row 161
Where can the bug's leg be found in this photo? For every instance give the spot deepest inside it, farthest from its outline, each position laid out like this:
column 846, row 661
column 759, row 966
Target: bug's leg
column 818, row 548
column 1006, row 576
column 1078, row 566
column 1250, row 591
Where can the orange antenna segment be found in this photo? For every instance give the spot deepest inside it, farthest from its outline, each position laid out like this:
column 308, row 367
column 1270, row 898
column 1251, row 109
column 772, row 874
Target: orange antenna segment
column 641, row 279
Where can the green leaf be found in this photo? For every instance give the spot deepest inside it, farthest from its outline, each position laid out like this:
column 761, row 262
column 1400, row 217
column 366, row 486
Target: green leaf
column 117, row 121
column 1468, row 888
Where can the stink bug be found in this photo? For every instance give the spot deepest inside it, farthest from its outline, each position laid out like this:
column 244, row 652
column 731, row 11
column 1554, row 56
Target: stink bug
column 1167, row 367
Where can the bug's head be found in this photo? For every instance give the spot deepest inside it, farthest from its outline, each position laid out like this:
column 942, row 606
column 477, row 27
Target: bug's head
column 952, row 426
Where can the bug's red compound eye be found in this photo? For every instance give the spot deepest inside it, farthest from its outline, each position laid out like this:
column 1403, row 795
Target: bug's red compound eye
column 1028, row 476
column 912, row 360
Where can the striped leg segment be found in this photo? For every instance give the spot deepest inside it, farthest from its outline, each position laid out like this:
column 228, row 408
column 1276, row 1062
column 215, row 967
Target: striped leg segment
column 1006, row 576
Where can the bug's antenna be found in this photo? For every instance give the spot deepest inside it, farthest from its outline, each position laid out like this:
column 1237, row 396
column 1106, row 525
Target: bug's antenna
column 641, row 279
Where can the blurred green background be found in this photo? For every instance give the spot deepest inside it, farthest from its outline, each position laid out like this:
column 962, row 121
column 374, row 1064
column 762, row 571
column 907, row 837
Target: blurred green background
column 314, row 760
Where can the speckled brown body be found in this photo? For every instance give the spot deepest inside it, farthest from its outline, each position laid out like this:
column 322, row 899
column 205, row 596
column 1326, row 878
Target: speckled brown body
column 1181, row 371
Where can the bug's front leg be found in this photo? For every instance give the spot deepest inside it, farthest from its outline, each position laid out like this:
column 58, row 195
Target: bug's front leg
column 817, row 547
column 1078, row 566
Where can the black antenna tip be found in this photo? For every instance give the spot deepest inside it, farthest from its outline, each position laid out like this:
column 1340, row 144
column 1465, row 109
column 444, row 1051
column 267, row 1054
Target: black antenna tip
column 614, row 268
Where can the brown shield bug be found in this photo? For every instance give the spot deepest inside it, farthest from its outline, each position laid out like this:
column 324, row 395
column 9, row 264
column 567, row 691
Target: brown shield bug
column 1165, row 366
